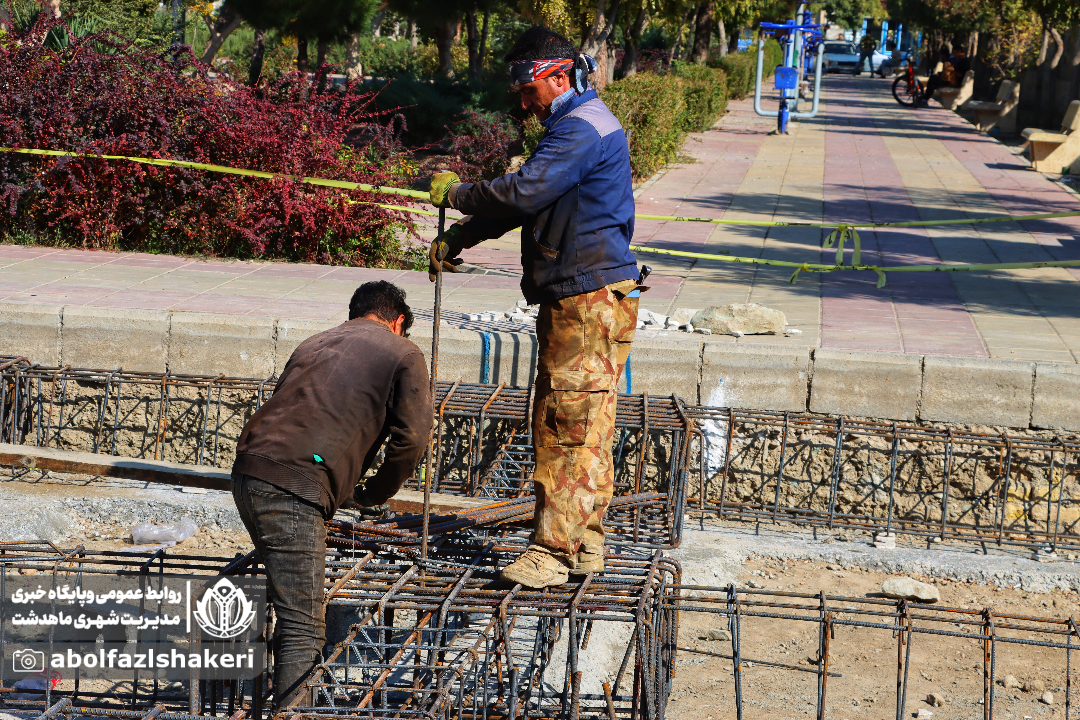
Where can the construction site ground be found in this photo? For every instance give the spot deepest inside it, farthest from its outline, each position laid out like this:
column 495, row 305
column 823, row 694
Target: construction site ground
column 99, row 514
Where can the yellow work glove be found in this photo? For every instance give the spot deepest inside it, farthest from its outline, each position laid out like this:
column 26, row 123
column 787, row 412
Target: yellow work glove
column 444, row 251
column 441, row 184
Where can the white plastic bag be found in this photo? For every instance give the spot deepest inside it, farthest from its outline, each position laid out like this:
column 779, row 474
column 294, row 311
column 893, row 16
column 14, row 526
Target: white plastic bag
column 154, row 534
column 36, row 685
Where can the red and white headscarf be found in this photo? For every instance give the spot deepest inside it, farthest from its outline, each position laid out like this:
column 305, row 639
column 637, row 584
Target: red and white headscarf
column 578, row 69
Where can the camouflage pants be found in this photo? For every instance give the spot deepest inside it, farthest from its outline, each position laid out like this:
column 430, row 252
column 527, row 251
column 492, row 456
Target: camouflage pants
column 584, row 341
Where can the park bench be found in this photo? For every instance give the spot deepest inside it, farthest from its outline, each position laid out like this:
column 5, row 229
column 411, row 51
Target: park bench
column 1056, row 151
column 999, row 113
column 923, row 79
column 951, row 98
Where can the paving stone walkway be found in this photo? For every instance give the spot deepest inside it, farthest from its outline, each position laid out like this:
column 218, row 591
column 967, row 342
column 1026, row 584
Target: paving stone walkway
column 863, row 159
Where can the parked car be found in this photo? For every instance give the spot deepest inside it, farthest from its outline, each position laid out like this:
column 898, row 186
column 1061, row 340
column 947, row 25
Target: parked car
column 841, row 57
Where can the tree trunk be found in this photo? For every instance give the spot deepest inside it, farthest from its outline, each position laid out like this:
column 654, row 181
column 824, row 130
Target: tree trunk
column 377, row 19
column 179, row 16
column 301, row 55
column 595, row 42
column 733, row 41
column 1059, row 48
column 702, row 32
column 445, row 33
column 1044, row 47
column 609, row 70
column 257, row 54
column 320, row 64
column 1044, row 77
column 354, row 68
column 473, row 41
column 677, row 47
column 220, row 29
column 721, row 37
column 632, row 37
column 484, row 38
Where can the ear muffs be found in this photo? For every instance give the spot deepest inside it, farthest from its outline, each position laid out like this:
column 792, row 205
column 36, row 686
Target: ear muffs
column 584, row 66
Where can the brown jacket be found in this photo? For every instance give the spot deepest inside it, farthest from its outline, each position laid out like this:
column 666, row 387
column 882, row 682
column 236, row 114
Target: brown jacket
column 341, row 395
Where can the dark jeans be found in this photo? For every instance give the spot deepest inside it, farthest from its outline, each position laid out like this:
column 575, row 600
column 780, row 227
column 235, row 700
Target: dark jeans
column 932, row 84
column 864, row 55
column 290, row 535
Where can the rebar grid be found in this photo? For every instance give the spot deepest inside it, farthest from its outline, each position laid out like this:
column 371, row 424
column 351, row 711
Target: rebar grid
column 887, row 477
column 444, row 638
column 997, row 634
column 481, row 438
column 509, row 515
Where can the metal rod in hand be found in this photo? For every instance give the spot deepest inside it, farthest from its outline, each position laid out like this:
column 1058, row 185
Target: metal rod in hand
column 430, row 469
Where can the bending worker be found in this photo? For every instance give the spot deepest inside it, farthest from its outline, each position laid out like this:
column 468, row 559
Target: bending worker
column 344, row 393
column 573, row 200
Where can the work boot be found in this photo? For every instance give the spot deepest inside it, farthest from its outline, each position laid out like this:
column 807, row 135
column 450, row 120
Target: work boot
column 589, row 559
column 537, row 568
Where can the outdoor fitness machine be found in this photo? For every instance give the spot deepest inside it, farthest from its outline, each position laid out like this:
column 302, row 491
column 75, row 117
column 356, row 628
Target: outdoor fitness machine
column 802, row 43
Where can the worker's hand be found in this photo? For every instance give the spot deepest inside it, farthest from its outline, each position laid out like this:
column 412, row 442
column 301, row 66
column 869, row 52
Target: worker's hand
column 444, row 251
column 441, row 185
column 365, row 506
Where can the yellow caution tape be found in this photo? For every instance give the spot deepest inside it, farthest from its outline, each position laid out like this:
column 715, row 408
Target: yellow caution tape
column 340, row 184
column 420, row 195
column 838, row 236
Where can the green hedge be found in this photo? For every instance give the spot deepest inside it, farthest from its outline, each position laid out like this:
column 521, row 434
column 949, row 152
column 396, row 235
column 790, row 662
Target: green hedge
column 649, row 107
column 741, row 68
column 705, row 96
column 657, row 110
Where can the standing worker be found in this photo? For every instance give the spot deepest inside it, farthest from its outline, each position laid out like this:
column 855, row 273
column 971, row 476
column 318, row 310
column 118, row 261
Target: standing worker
column 574, row 202
column 344, row 393
column 867, row 46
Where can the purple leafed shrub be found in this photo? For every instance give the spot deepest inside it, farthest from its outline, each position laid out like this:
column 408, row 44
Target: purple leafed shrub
column 481, row 145
column 102, row 96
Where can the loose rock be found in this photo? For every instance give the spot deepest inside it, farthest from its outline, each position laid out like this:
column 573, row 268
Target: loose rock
column 907, row 589
column 1009, row 682
column 935, row 699
column 682, row 316
column 1034, row 686
column 1047, row 698
column 745, row 318
column 924, row 713
column 717, row 634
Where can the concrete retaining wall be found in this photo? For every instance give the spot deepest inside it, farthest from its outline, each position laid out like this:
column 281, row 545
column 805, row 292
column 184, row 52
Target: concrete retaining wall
column 889, row 386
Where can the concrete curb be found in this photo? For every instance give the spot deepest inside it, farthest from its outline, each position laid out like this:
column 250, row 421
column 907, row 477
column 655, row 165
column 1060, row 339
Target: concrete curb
column 888, row 386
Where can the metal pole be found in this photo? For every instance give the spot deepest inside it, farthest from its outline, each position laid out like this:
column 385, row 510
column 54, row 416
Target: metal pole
column 435, row 320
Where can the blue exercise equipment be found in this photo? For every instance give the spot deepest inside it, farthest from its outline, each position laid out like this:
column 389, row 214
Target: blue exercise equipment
column 801, row 40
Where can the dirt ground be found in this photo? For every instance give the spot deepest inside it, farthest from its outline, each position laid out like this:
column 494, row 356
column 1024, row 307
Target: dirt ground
column 866, row 659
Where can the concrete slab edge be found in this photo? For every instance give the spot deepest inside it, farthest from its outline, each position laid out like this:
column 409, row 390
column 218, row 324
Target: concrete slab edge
column 887, row 386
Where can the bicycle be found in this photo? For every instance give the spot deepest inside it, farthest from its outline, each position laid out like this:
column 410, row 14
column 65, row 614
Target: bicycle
column 906, row 88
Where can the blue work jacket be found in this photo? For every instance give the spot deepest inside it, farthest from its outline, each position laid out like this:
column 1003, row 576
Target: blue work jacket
column 573, row 200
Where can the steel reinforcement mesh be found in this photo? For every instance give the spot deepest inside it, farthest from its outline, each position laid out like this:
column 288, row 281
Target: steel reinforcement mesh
column 441, row 638
column 444, row 639
column 934, row 481
column 887, row 477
